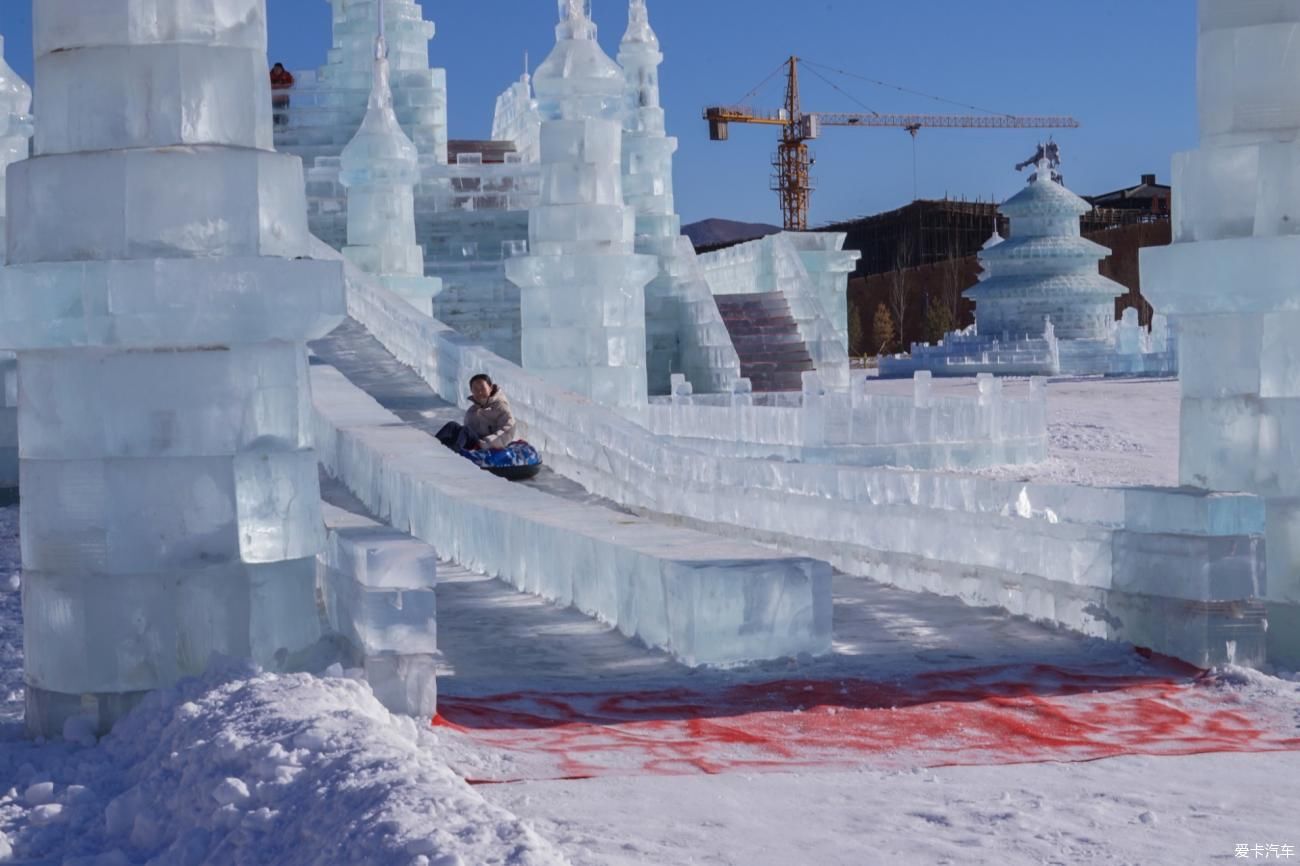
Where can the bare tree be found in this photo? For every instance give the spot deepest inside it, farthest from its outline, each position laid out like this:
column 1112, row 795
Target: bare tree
column 899, row 289
column 953, row 271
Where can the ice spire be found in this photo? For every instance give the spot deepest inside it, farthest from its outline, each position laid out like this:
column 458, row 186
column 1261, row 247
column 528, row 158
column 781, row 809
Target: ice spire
column 638, row 25
column 575, row 20
column 380, row 168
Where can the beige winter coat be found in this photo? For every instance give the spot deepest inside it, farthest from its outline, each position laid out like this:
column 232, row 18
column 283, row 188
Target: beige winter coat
column 491, row 422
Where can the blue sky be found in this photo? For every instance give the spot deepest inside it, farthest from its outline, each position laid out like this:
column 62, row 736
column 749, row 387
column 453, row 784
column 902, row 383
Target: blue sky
column 1124, row 68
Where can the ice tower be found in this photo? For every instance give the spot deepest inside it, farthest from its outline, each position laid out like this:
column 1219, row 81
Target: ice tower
column 380, row 168
column 1231, row 280
column 684, row 331
column 170, row 507
column 582, row 288
column 1047, row 269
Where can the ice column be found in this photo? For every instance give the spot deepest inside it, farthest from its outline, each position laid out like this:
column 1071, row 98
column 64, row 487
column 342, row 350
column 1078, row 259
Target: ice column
column 1231, row 282
column 582, row 287
column 380, row 168
column 684, row 332
column 15, row 130
column 159, row 307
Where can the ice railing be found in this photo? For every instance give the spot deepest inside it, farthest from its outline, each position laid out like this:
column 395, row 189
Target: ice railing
column 1056, row 552
column 922, row 431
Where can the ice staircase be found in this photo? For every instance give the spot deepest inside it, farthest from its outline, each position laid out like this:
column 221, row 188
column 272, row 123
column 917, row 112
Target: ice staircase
column 773, row 355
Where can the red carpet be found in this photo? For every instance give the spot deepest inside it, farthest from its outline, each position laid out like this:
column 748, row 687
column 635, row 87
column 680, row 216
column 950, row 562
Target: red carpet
column 996, row 715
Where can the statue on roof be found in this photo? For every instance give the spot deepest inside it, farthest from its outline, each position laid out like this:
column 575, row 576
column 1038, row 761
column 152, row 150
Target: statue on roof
column 1046, row 158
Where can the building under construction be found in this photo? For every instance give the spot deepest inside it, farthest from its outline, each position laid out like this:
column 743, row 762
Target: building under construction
column 929, row 231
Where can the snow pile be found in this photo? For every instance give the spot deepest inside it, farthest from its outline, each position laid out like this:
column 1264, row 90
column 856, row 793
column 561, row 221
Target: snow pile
column 244, row 767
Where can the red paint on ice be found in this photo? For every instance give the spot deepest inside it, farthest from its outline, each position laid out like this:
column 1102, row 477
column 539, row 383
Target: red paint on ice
column 992, row 715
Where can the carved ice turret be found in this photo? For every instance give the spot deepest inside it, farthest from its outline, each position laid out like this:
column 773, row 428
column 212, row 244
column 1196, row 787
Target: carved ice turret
column 582, row 286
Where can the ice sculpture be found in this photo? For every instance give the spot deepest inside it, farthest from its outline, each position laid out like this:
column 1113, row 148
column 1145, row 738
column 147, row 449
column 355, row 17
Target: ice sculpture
column 380, row 168
column 582, row 288
column 171, row 506
column 1229, row 282
column 684, row 331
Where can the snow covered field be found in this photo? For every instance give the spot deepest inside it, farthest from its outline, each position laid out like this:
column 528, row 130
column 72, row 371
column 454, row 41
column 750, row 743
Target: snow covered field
column 585, row 748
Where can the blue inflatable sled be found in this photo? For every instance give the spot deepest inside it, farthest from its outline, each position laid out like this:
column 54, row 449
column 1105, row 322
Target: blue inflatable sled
column 518, row 461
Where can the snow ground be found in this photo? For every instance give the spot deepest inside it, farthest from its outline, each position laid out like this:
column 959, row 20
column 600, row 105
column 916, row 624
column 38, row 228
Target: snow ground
column 256, row 769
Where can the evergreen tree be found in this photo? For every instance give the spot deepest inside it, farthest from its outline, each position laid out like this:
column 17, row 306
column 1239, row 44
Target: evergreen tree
column 856, row 337
column 882, row 330
column 938, row 321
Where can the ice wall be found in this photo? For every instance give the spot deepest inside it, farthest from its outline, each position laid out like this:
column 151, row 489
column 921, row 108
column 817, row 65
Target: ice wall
column 582, row 288
column 1228, row 281
column 380, row 168
column 684, row 331
column 171, row 506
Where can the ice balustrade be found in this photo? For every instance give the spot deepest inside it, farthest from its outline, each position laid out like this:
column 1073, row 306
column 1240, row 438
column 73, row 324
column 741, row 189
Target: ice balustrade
column 379, row 590
column 704, row 599
column 922, row 431
column 774, row 264
column 1169, row 568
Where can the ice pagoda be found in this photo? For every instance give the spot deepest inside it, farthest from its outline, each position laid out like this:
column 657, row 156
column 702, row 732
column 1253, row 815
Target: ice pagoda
column 1041, row 306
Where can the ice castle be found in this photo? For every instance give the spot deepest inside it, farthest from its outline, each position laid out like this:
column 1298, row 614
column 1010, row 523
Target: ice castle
column 1041, row 307
column 473, row 201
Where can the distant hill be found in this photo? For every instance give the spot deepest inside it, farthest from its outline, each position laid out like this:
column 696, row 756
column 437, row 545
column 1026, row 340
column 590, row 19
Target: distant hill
column 717, row 232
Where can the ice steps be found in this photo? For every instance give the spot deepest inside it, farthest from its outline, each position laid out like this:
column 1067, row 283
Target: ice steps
column 773, row 355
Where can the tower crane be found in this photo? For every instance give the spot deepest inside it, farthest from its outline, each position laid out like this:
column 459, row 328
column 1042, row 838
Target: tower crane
column 792, row 180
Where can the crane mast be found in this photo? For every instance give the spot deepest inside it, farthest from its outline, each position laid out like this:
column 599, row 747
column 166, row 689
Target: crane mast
column 792, row 179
